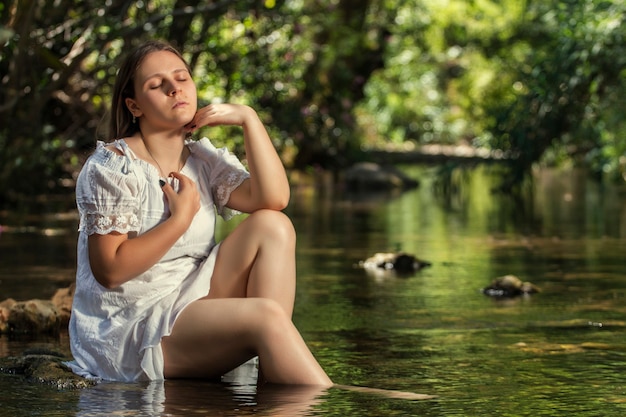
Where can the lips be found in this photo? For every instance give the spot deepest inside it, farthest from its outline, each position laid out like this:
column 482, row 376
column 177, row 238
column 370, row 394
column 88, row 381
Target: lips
column 180, row 104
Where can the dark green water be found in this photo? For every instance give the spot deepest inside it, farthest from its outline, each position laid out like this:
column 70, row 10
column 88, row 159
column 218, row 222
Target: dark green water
column 557, row 353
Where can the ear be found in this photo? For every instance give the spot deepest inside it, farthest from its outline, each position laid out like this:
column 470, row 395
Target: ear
column 132, row 106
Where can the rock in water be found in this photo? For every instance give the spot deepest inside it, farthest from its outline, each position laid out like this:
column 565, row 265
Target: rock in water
column 44, row 367
column 509, row 286
column 5, row 312
column 400, row 262
column 34, row 316
column 37, row 316
column 369, row 176
column 62, row 300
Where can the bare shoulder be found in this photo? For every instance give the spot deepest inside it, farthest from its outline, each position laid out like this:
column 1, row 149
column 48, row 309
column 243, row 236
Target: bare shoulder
column 111, row 147
column 130, row 141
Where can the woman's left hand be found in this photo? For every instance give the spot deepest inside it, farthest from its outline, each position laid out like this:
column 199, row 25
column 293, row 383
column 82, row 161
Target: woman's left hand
column 220, row 114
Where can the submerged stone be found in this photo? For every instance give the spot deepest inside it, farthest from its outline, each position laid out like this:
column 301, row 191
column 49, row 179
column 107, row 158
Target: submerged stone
column 44, row 367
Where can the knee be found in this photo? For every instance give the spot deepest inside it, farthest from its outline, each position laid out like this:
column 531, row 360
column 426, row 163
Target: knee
column 275, row 224
column 271, row 317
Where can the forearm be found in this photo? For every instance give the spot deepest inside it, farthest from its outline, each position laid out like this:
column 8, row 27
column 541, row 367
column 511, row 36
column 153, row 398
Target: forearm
column 117, row 259
column 268, row 181
column 267, row 187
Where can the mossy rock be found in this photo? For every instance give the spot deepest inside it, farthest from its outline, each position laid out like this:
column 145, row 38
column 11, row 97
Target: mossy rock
column 44, row 367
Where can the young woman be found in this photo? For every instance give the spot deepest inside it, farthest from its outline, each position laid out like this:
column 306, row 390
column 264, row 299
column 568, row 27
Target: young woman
column 156, row 297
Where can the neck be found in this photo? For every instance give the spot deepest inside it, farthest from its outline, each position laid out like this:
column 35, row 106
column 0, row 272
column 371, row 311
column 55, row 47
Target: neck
column 167, row 153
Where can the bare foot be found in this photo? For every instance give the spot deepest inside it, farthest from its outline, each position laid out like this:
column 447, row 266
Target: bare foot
column 403, row 395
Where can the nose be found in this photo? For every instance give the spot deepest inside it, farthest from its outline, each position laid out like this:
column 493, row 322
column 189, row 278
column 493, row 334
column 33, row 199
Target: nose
column 175, row 89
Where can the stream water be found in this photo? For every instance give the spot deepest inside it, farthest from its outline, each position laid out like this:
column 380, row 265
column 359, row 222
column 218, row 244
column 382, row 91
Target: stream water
column 560, row 352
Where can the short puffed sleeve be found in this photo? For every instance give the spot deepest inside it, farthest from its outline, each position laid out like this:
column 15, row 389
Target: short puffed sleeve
column 223, row 170
column 107, row 194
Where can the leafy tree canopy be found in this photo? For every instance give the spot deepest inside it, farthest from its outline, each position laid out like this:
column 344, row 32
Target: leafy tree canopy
column 538, row 81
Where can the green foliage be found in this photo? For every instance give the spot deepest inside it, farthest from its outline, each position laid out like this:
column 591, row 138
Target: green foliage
column 437, row 72
column 565, row 84
column 539, row 81
column 303, row 66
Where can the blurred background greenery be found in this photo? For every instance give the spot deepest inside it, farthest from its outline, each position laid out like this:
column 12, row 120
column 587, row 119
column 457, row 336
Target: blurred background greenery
column 536, row 82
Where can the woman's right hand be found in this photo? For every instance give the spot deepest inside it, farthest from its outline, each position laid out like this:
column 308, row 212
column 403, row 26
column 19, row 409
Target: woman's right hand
column 116, row 258
column 185, row 203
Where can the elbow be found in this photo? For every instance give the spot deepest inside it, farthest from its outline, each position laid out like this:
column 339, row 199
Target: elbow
column 277, row 201
column 107, row 280
column 284, row 201
column 106, row 283
column 273, row 201
column 277, row 207
column 274, row 206
column 281, row 202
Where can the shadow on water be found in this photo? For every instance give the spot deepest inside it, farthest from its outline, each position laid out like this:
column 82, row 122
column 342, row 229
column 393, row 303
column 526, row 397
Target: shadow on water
column 558, row 352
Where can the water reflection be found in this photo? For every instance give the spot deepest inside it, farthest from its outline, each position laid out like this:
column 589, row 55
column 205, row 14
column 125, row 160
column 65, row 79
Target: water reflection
column 559, row 352
column 185, row 397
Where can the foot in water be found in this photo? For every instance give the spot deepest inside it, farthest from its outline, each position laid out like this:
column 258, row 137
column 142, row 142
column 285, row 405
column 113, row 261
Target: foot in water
column 403, row 395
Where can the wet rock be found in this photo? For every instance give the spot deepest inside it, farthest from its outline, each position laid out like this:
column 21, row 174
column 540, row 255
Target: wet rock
column 44, row 367
column 509, row 286
column 62, row 301
column 5, row 311
column 400, row 262
column 34, row 316
column 37, row 316
column 369, row 176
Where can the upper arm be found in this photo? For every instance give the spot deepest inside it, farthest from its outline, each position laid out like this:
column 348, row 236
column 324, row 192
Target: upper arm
column 240, row 199
column 102, row 251
column 107, row 198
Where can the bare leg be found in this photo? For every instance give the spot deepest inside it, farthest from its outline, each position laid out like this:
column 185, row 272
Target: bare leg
column 247, row 311
column 211, row 337
column 257, row 259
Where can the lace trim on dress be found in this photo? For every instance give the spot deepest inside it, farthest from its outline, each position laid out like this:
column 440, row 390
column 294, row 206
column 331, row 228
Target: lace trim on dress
column 231, row 181
column 103, row 224
column 223, row 190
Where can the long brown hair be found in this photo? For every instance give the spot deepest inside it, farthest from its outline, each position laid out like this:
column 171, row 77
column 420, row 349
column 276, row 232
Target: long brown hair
column 121, row 122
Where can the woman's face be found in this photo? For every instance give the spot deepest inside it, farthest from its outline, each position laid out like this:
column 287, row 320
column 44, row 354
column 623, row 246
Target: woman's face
column 165, row 94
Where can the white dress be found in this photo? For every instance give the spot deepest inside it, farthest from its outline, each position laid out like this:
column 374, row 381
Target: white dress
column 115, row 334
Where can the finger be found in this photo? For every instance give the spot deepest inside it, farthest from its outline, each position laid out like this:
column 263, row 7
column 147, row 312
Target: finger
column 207, row 116
column 184, row 181
column 192, row 125
column 167, row 188
column 179, row 176
column 196, row 122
